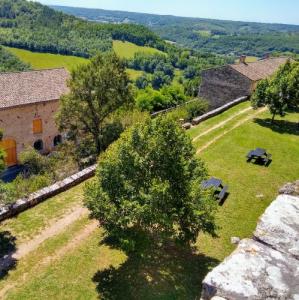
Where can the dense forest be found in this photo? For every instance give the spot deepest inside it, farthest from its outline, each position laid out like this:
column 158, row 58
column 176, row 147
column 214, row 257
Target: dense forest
column 9, row 62
column 36, row 27
column 224, row 37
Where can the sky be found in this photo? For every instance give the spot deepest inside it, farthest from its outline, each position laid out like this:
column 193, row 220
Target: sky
column 269, row 11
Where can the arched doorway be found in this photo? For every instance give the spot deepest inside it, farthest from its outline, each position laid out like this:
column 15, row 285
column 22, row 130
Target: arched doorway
column 10, row 147
column 57, row 140
column 38, row 145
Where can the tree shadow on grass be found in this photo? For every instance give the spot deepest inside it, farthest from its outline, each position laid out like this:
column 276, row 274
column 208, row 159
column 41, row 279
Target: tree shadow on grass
column 7, row 249
column 280, row 126
column 156, row 271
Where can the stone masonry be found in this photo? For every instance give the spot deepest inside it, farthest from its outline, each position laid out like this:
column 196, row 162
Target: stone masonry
column 222, row 85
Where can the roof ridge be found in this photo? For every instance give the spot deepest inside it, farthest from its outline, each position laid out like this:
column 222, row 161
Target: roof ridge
column 260, row 60
column 32, row 71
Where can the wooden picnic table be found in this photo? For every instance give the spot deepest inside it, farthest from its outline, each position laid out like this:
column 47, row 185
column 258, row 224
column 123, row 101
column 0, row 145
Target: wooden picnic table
column 220, row 189
column 259, row 153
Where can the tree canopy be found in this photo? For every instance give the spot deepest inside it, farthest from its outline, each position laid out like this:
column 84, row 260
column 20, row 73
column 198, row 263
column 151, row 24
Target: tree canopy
column 97, row 90
column 279, row 93
column 150, row 180
column 9, row 62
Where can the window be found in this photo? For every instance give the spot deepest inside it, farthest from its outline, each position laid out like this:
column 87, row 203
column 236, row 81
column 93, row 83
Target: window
column 37, row 126
column 57, row 140
column 38, row 145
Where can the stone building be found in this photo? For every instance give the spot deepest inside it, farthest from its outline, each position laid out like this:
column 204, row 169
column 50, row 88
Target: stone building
column 224, row 84
column 28, row 104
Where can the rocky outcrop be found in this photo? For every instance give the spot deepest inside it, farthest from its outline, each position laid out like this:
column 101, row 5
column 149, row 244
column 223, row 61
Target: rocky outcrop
column 267, row 265
column 290, row 189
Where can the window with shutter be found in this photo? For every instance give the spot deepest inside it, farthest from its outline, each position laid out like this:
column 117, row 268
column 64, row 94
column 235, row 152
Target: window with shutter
column 37, row 126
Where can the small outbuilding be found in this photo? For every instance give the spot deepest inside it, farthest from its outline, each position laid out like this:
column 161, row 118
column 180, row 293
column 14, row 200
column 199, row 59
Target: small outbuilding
column 226, row 83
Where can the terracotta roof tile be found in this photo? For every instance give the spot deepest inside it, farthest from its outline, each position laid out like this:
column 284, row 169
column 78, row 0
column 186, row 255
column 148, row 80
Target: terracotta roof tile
column 29, row 87
column 260, row 69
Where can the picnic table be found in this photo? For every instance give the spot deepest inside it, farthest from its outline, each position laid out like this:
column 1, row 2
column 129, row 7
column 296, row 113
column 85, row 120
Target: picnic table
column 220, row 189
column 259, row 154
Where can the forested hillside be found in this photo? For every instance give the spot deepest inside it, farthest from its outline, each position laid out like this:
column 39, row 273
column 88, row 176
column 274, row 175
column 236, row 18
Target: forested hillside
column 10, row 62
column 33, row 26
column 225, row 37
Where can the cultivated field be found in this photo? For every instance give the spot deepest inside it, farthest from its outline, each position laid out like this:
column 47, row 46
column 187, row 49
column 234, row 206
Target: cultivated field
column 47, row 61
column 127, row 49
column 61, row 254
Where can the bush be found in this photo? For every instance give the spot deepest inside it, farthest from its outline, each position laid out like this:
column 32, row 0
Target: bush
column 34, row 162
column 196, row 108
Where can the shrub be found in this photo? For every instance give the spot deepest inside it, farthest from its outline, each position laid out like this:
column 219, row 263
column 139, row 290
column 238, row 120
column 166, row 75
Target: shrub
column 34, row 162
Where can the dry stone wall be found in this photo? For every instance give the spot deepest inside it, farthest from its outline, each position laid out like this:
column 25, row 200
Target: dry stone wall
column 267, row 265
column 46, row 193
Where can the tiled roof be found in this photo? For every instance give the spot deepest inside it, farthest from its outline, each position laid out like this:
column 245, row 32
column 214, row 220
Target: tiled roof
column 30, row 87
column 260, row 69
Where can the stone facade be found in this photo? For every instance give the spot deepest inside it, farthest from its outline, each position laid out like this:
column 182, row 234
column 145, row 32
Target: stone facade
column 17, row 124
column 222, row 85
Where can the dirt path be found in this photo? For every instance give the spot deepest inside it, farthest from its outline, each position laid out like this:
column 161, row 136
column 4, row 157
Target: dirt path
column 222, row 123
column 71, row 245
column 25, row 248
column 229, row 130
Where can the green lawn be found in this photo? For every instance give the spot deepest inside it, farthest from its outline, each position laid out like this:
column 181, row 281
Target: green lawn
column 94, row 268
column 127, row 49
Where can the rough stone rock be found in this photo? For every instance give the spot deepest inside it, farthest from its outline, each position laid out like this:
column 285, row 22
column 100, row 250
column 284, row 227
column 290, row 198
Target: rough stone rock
column 235, row 240
column 254, row 271
column 279, row 225
column 290, row 189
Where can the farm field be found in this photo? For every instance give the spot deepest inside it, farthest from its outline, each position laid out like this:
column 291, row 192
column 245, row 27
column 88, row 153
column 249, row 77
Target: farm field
column 47, row 61
column 77, row 263
column 127, row 49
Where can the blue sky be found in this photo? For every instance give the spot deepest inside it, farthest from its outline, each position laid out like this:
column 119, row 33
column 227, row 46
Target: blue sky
column 270, row 11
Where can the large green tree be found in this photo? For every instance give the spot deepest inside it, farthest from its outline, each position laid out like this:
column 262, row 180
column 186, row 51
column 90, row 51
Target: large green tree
column 97, row 90
column 280, row 92
column 150, row 180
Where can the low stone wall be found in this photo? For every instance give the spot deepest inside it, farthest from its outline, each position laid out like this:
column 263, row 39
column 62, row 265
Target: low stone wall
column 218, row 111
column 46, row 193
column 267, row 265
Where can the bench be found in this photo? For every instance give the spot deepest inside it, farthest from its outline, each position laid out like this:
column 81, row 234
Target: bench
column 223, row 193
column 268, row 158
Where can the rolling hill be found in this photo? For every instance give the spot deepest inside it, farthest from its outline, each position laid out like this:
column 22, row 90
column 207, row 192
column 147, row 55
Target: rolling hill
column 32, row 26
column 224, row 37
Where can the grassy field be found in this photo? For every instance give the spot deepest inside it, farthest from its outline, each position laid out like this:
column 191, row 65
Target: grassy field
column 47, row 61
column 127, row 49
column 75, row 266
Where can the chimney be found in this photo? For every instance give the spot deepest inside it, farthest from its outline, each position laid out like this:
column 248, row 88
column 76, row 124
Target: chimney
column 243, row 59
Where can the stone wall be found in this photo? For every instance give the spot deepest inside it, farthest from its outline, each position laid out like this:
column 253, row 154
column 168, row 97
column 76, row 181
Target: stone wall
column 218, row 110
column 17, row 124
column 46, row 193
column 222, row 85
column 267, row 265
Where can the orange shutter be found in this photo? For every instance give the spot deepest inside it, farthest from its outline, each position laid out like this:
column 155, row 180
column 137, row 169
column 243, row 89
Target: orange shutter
column 37, row 126
column 9, row 146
